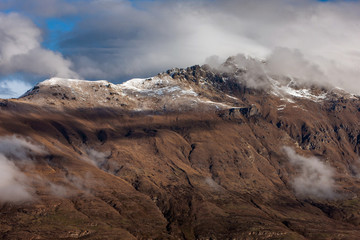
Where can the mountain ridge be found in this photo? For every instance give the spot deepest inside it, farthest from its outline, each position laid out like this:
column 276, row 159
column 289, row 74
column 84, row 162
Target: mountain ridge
column 181, row 87
column 188, row 154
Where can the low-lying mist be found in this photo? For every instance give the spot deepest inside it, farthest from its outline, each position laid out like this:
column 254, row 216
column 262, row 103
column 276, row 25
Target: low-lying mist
column 19, row 176
column 314, row 180
column 16, row 154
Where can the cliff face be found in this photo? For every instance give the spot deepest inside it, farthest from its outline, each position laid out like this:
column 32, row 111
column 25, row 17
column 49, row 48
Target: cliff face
column 189, row 154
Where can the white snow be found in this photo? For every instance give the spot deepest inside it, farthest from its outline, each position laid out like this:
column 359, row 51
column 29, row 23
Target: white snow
column 215, row 103
column 302, row 93
column 284, row 91
column 167, row 86
column 140, row 84
column 69, row 82
column 231, row 97
column 136, row 84
column 281, row 107
column 156, row 87
column 151, row 93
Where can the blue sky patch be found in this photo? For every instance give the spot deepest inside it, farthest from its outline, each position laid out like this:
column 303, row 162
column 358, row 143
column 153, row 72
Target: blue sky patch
column 57, row 28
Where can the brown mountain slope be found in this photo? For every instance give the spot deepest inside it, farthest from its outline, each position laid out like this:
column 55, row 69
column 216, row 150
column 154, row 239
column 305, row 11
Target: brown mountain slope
column 90, row 170
column 190, row 175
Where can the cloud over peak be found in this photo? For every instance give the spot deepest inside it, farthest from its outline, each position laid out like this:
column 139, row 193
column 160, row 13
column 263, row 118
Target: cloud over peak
column 117, row 40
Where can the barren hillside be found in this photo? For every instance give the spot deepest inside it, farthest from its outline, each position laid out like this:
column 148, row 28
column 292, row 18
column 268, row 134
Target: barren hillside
column 189, row 154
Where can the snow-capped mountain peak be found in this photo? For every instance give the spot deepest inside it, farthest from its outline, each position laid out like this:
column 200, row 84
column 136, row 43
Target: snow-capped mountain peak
column 192, row 88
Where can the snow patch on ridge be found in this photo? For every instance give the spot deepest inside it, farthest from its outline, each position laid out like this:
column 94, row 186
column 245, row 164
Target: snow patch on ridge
column 302, row 93
column 284, row 91
column 70, row 82
column 141, row 84
column 156, row 86
column 163, row 91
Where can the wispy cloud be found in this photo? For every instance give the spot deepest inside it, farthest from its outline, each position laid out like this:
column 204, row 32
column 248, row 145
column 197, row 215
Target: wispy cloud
column 94, row 157
column 19, row 178
column 16, row 152
column 315, row 179
column 102, row 160
column 12, row 182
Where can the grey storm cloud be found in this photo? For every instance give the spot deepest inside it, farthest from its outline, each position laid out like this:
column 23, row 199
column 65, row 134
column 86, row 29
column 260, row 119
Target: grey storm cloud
column 120, row 39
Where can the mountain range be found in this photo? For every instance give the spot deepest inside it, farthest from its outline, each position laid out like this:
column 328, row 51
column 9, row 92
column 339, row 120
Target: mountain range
column 204, row 152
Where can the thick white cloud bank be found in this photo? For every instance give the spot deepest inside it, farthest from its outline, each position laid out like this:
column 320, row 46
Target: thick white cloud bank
column 21, row 51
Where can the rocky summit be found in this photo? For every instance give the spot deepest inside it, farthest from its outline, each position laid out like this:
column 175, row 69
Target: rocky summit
column 195, row 153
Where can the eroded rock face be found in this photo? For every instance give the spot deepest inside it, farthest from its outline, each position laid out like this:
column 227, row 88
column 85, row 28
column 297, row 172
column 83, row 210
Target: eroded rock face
column 189, row 154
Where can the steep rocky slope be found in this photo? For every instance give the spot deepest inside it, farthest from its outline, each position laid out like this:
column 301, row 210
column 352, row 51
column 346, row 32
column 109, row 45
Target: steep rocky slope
column 192, row 153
